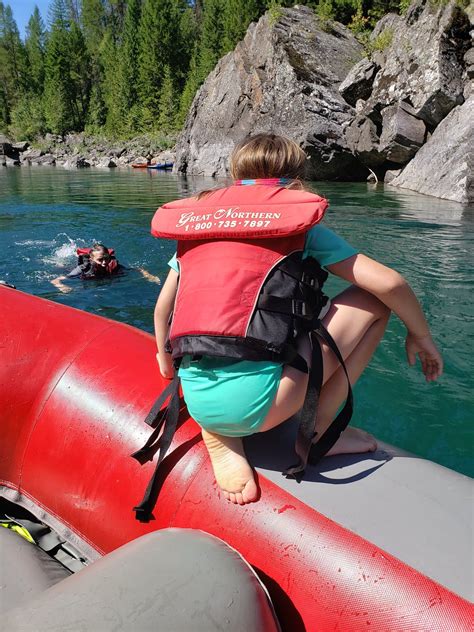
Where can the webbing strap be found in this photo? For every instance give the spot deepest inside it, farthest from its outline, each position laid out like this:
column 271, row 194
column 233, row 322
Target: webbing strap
column 166, row 419
column 307, row 415
column 291, row 306
column 304, row 446
column 340, row 423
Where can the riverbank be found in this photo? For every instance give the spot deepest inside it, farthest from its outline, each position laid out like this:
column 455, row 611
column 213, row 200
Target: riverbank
column 85, row 150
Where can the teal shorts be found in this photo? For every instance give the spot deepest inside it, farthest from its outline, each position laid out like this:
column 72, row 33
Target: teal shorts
column 227, row 397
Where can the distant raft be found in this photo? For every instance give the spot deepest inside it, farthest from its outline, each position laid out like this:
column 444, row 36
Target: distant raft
column 160, row 165
column 378, row 541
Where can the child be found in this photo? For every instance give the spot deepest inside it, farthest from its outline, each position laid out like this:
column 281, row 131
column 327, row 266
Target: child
column 231, row 397
column 97, row 262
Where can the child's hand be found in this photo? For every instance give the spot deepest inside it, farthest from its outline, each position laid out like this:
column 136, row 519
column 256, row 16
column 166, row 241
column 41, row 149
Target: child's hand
column 165, row 363
column 425, row 348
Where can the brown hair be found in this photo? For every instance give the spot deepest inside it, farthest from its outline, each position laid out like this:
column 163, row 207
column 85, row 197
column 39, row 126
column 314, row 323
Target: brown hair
column 100, row 248
column 267, row 156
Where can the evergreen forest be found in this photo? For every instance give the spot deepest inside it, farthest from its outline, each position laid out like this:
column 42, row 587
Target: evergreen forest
column 119, row 68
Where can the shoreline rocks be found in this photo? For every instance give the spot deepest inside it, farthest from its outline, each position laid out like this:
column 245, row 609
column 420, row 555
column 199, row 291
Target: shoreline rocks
column 81, row 151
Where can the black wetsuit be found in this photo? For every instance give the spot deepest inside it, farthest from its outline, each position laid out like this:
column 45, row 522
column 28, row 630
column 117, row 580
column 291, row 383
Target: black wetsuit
column 88, row 270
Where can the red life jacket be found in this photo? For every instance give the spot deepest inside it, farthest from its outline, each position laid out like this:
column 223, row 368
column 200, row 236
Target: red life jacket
column 83, row 256
column 245, row 292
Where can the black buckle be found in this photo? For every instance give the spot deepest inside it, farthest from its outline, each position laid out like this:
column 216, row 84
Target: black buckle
column 302, row 309
column 309, row 279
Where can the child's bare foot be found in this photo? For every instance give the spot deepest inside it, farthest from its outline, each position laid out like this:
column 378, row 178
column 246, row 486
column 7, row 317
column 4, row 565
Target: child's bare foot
column 353, row 441
column 233, row 473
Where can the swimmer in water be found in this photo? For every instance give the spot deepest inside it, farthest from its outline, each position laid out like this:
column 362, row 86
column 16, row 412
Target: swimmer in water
column 97, row 262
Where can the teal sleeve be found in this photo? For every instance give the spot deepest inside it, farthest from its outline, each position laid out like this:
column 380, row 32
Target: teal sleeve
column 327, row 247
column 173, row 263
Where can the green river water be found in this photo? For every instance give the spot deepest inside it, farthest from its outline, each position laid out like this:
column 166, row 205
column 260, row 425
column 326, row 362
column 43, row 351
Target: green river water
column 45, row 213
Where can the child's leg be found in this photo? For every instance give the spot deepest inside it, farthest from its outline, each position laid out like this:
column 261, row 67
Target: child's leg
column 356, row 321
column 232, row 470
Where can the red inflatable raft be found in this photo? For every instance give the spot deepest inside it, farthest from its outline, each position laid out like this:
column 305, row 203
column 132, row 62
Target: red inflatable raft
column 75, row 389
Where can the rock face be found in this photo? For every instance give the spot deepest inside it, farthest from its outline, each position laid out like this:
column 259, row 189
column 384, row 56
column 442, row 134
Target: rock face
column 402, row 133
column 423, row 63
column 358, row 83
column 417, row 74
column 283, row 77
column 444, row 165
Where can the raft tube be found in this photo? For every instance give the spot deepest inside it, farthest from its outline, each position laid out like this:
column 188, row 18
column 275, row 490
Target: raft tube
column 375, row 541
column 139, row 586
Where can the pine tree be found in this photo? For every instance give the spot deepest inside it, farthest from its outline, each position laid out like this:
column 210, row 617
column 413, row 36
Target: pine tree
column 35, row 47
column 211, row 45
column 92, row 22
column 67, row 73
column 57, row 106
column 238, row 14
column 13, row 66
column 167, row 103
column 58, row 14
column 208, row 48
column 126, row 111
column 190, row 89
column 159, row 46
column 93, row 25
column 112, row 87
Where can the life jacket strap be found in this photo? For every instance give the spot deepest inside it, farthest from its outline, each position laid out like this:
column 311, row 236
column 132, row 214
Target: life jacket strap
column 291, row 306
column 305, row 448
column 166, row 420
column 308, row 272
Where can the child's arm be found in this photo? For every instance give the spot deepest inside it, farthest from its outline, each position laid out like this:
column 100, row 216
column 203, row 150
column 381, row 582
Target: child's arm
column 391, row 288
column 58, row 282
column 164, row 307
column 148, row 276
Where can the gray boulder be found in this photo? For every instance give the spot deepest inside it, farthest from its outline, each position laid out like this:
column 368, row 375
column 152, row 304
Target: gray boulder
column 8, row 150
column 76, row 163
column 443, row 167
column 21, row 145
column 30, row 155
column 44, row 159
column 362, row 139
column 284, row 78
column 358, row 83
column 106, row 163
column 402, row 133
column 5, row 145
column 421, row 62
column 10, row 162
column 390, row 175
column 469, row 62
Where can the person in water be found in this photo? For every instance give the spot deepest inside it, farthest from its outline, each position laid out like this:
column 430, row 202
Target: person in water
column 97, row 262
column 230, row 399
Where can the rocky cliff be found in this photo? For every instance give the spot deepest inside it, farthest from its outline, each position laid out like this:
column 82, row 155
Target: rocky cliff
column 283, row 77
column 352, row 113
column 419, row 70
